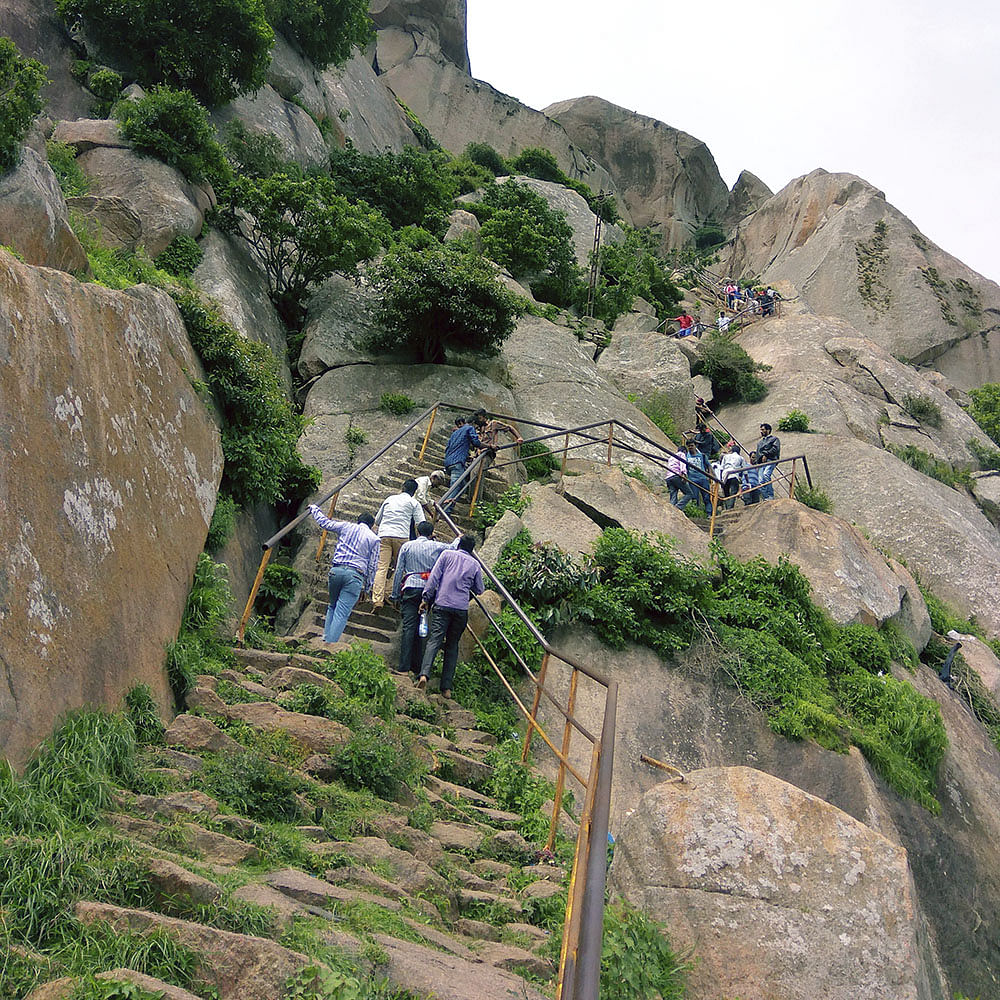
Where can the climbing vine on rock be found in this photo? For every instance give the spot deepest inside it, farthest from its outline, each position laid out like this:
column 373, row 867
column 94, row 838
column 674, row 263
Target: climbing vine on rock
column 873, row 259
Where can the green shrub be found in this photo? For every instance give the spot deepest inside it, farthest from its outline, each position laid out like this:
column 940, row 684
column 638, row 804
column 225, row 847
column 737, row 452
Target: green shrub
column 173, row 126
column 252, row 786
column 324, row 31
column 261, row 430
column 214, row 48
column 657, row 408
column 106, row 85
column 924, row 409
column 440, row 298
column 489, row 512
column 730, row 369
column 538, row 461
column 926, row 463
column 277, row 587
column 985, row 409
column 397, row 404
column 794, row 422
column 708, row 236
column 354, row 437
column 363, row 675
column 181, row 256
column 637, row 960
column 379, row 758
column 144, row 714
column 223, row 523
column 988, row 458
column 301, row 231
column 62, row 159
column 534, row 242
column 537, row 163
column 813, row 496
column 21, row 82
column 254, row 154
column 484, row 155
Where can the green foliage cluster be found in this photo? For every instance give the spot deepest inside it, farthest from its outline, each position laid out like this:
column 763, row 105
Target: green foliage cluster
column 214, row 48
column 302, row 231
column 924, row 409
column 988, row 458
column 542, row 165
column 253, row 154
column 985, row 409
column 657, row 408
column 813, row 496
column 277, row 586
column 794, row 422
column 261, row 431
column 410, row 188
column 62, row 159
column 202, row 644
column 144, row 714
column 115, row 268
column 732, row 372
column 363, row 675
column 251, row 785
column 324, row 31
column 106, row 86
column 181, row 256
column 708, row 236
column 521, row 233
column 925, row 462
column 223, row 523
column 171, row 125
column 396, row 404
column 489, row 512
column 437, row 298
column 378, row 757
column 637, row 960
column 21, row 82
column 537, row 460
column 484, row 155
column 629, row 269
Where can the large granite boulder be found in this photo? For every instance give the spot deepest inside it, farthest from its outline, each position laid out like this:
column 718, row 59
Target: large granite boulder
column 665, row 176
column 778, row 892
column 434, row 24
column 850, row 578
column 550, row 519
column 102, row 427
column 167, row 203
column 855, row 256
column 115, row 225
column 34, row 219
column 748, row 194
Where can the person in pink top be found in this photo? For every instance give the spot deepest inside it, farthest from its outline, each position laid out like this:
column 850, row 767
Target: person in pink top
column 676, row 471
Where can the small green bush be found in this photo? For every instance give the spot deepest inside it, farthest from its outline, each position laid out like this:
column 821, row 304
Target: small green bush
column 484, row 155
column 794, row 422
column 254, row 154
column 223, row 523
column 173, row 126
column 106, row 86
column 144, row 714
column 62, row 159
column 538, row 163
column 813, row 496
column 181, row 257
column 214, row 48
column 377, row 757
column 985, row 409
column 277, row 587
column 924, row 409
column 489, row 512
column 363, row 675
column 988, row 458
column 730, row 369
column 251, row 785
column 657, row 408
column 538, row 461
column 21, row 82
column 637, row 960
column 398, row 404
column 926, row 463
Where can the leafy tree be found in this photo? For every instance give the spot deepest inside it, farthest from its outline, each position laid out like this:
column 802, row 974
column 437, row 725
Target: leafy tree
column 21, row 81
column 302, row 231
column 215, row 48
column 324, row 31
column 732, row 372
column 254, row 154
column 409, row 188
column 484, row 155
column 440, row 297
column 172, row 125
column 520, row 232
column 538, row 163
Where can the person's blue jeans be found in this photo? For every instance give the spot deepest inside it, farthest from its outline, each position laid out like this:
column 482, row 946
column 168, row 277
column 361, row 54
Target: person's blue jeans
column 766, row 490
column 447, row 626
column 675, row 483
column 455, row 472
column 345, row 585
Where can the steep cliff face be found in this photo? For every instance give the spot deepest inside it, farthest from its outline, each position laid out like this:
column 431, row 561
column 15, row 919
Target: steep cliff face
column 437, row 23
column 666, row 177
column 109, row 480
column 851, row 254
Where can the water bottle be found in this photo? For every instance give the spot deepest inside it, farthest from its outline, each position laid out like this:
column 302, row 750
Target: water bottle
column 422, row 627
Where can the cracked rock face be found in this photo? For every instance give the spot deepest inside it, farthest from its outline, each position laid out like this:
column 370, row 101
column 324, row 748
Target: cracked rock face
column 853, row 255
column 779, row 893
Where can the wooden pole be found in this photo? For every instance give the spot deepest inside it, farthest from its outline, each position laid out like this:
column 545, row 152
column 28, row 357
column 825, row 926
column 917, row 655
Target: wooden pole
column 427, row 435
column 323, row 533
column 534, row 707
column 264, row 559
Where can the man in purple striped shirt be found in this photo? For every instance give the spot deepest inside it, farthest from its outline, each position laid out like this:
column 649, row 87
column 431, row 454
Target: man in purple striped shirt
column 352, row 568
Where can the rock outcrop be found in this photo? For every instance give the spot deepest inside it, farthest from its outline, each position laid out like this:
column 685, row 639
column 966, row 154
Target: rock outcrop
column 853, row 255
column 748, row 194
column 665, row 176
column 436, row 25
column 778, row 892
column 110, row 478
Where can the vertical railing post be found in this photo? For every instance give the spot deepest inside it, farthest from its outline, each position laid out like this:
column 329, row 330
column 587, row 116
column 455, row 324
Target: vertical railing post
column 561, row 779
column 562, row 466
column 791, row 480
column 534, row 707
column 611, row 439
column 323, row 533
column 475, row 492
column 427, row 435
column 714, row 494
column 264, row 559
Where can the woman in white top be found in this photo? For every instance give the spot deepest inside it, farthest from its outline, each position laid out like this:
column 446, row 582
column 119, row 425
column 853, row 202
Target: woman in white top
column 730, row 467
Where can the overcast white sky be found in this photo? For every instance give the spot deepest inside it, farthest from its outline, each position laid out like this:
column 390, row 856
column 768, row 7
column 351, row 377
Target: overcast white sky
column 904, row 94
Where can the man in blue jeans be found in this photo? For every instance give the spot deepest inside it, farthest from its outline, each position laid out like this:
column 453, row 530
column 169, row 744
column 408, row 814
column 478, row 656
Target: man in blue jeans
column 456, row 455
column 769, row 451
column 352, row 568
column 455, row 577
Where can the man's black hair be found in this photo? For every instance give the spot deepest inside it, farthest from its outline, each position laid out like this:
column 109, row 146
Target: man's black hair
column 366, row 519
column 467, row 543
column 410, row 486
column 425, row 529
column 766, row 427
column 459, row 421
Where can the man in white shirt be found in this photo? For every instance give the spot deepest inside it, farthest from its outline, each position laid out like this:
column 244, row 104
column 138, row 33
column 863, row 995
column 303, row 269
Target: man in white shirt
column 424, row 484
column 393, row 522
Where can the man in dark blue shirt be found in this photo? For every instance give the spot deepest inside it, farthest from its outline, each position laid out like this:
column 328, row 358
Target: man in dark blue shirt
column 456, row 455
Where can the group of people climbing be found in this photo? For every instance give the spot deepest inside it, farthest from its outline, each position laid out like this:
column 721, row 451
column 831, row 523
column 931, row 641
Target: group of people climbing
column 703, row 459
column 746, row 300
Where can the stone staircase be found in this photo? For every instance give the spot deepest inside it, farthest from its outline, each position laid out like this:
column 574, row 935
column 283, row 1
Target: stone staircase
column 380, row 627
column 455, row 905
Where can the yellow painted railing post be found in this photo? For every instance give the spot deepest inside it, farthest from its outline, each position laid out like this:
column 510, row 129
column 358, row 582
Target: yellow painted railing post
column 264, row 559
column 534, row 707
column 561, row 779
column 714, row 494
column 323, row 533
column 427, row 435
column 475, row 492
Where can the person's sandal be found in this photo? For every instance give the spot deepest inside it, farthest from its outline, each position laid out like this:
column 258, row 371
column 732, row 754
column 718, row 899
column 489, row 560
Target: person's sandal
column 421, row 682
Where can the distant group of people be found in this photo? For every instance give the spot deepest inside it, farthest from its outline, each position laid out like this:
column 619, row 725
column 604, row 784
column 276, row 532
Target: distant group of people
column 759, row 301
column 702, row 456
column 471, row 437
